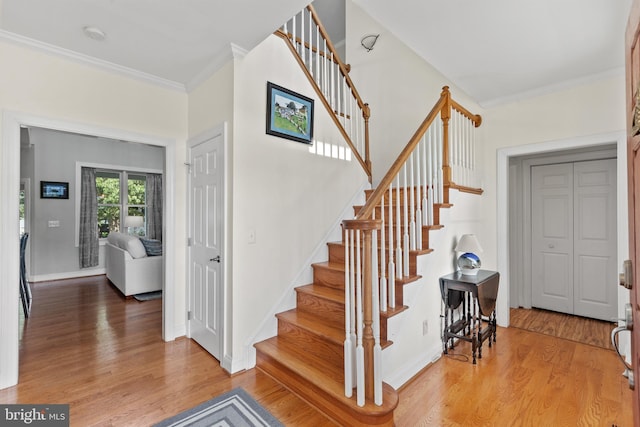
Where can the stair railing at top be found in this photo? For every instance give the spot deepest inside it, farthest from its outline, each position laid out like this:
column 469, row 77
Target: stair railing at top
column 390, row 225
column 309, row 42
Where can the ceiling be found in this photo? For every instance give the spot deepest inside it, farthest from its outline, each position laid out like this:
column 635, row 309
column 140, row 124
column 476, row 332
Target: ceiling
column 495, row 50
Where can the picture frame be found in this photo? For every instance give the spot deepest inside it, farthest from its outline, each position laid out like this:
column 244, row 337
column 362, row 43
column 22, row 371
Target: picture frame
column 289, row 114
column 54, row 190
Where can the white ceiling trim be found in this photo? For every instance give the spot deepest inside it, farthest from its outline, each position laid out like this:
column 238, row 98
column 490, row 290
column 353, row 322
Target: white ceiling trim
column 545, row 90
column 89, row 60
column 234, row 52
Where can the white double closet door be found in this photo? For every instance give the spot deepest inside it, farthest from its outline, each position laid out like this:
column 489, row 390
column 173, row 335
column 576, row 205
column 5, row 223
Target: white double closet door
column 573, row 238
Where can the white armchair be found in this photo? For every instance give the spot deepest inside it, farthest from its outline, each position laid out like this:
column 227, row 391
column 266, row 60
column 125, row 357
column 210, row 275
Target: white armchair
column 128, row 266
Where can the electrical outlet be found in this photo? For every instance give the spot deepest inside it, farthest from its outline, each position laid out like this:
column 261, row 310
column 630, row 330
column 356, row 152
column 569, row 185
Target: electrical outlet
column 425, row 327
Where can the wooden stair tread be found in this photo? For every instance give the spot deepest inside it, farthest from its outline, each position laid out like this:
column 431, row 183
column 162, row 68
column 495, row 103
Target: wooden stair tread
column 314, row 377
column 288, row 353
column 337, row 266
column 315, row 324
column 327, row 292
column 324, row 328
column 392, row 311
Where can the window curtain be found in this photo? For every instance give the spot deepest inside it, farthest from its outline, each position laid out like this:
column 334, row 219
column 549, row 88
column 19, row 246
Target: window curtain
column 154, row 206
column 89, row 247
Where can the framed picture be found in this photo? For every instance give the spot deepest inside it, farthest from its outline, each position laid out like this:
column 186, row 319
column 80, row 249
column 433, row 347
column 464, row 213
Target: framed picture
column 289, row 114
column 54, row 190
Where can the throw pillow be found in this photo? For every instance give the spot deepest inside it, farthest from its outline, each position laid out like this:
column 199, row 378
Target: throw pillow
column 152, row 246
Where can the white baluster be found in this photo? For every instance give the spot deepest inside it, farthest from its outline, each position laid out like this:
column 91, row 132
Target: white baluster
column 429, row 176
column 324, row 73
column 439, row 173
column 473, row 156
column 383, row 264
column 317, row 55
column 348, row 324
column 303, row 50
column 423, row 178
column 310, row 42
column 398, row 231
column 293, row 33
column 392, row 267
column 412, row 207
column 405, row 236
column 419, row 189
column 375, row 312
column 359, row 325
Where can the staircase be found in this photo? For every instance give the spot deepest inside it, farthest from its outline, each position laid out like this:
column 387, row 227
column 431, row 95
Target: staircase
column 328, row 349
column 307, row 355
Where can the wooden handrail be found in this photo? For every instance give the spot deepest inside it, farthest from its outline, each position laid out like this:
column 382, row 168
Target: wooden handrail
column 365, row 163
column 367, row 210
column 475, row 118
column 331, row 55
column 343, row 68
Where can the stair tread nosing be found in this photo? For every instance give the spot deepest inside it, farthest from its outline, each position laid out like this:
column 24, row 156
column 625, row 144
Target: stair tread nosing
column 322, row 291
column 288, row 352
column 276, row 352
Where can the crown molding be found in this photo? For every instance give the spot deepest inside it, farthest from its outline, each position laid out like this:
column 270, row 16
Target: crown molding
column 234, row 52
column 89, row 60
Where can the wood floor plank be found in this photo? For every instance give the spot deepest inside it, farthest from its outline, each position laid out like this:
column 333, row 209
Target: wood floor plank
column 87, row 346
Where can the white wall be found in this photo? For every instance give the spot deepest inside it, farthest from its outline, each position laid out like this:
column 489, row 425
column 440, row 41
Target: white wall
column 400, row 87
column 289, row 197
column 42, row 88
column 585, row 115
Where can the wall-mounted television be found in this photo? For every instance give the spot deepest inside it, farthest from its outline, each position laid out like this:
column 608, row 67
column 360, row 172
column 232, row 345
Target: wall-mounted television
column 54, row 190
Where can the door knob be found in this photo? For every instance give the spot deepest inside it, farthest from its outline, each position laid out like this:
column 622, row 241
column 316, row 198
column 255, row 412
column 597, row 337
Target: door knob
column 216, row 259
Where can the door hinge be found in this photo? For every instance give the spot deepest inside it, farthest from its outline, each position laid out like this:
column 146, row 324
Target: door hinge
column 189, row 241
column 189, row 315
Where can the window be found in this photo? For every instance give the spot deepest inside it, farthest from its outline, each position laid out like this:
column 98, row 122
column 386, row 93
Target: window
column 120, row 194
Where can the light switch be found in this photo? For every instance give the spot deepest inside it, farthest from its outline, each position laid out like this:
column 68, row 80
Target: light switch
column 54, row 223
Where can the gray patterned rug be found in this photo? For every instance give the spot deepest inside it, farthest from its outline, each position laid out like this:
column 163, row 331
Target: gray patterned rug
column 148, row 296
column 233, row 409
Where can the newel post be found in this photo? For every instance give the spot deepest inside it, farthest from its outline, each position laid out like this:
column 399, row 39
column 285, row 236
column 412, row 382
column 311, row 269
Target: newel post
column 445, row 114
column 364, row 306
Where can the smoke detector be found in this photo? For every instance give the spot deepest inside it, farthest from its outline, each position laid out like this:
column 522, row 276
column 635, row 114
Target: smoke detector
column 94, row 33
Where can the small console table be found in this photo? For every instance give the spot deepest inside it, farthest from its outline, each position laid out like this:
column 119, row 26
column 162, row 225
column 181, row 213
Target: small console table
column 477, row 295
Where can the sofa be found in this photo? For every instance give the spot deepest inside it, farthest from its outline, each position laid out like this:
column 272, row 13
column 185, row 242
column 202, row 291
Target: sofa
column 129, row 265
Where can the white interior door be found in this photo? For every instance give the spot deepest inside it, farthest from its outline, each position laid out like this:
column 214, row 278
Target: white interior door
column 206, row 228
column 595, row 245
column 552, row 237
column 573, row 238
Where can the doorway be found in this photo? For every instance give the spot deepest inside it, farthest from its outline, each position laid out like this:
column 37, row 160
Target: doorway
column 573, row 238
column 9, row 212
column 509, row 245
column 206, row 252
column 534, row 269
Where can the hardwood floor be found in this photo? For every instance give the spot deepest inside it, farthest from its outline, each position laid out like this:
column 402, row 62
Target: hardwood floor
column 574, row 328
column 87, row 346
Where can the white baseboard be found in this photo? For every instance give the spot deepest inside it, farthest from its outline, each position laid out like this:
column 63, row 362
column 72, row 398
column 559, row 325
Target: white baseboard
column 409, row 370
column 67, row 275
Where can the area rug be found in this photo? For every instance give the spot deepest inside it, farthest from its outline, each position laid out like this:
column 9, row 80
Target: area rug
column 233, row 409
column 148, row 296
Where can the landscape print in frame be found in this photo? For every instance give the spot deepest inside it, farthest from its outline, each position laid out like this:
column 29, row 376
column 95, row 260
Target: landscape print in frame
column 289, row 114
